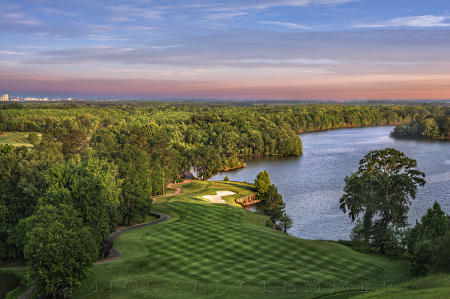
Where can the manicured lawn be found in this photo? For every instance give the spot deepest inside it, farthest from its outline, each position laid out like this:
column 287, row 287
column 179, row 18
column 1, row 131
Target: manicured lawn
column 15, row 138
column 222, row 251
column 436, row 287
column 195, row 190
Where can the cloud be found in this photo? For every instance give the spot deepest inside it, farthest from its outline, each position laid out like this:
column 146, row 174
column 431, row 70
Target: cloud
column 125, row 13
column 287, row 25
column 31, row 47
column 60, row 12
column 10, row 53
column 226, row 15
column 21, row 19
column 106, row 37
column 279, row 62
column 262, row 5
column 415, row 21
column 352, row 51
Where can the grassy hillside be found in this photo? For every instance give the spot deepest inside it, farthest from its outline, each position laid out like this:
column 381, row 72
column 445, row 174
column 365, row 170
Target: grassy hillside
column 15, row 138
column 223, row 251
column 436, row 287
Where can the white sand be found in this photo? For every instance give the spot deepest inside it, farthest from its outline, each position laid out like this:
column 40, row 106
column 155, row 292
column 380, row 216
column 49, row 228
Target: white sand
column 218, row 198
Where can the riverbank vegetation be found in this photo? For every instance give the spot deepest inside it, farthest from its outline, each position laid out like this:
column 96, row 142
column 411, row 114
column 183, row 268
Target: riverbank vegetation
column 432, row 126
column 212, row 137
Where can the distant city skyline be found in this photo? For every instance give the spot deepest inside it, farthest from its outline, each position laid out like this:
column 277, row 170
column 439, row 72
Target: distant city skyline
column 286, row 49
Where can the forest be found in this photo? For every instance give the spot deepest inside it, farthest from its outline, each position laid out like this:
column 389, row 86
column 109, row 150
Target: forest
column 431, row 127
column 94, row 166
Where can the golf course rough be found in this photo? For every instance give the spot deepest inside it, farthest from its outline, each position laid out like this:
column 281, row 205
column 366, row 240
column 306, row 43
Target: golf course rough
column 222, row 251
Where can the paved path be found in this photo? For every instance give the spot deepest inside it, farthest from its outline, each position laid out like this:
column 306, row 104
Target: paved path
column 115, row 253
column 170, row 186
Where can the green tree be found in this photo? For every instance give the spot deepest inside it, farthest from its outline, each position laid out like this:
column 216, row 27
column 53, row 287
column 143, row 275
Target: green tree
column 135, row 198
column 33, row 138
column 59, row 250
column 272, row 203
column 434, row 223
column 107, row 174
column 421, row 259
column 431, row 129
column 74, row 142
column 380, row 193
column 22, row 183
column 441, row 258
column 286, row 222
column 262, row 182
column 428, row 242
column 226, row 178
column 73, row 183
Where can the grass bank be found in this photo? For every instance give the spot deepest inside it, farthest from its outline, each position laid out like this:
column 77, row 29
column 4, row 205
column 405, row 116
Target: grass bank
column 15, row 138
column 434, row 286
column 224, row 251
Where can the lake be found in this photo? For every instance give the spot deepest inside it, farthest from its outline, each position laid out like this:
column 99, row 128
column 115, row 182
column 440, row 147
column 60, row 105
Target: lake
column 312, row 184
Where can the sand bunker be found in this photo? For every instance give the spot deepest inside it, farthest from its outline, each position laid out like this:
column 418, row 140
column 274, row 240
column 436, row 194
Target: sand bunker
column 218, row 198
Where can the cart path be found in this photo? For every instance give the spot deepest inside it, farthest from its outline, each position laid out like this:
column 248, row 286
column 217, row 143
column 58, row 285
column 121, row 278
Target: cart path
column 171, row 186
column 115, row 253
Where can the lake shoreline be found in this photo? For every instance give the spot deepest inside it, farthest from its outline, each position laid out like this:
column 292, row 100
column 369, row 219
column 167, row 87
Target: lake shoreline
column 311, row 184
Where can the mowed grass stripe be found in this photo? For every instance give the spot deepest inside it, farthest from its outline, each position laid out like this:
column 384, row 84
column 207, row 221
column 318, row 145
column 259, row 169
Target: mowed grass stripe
column 222, row 246
column 16, row 138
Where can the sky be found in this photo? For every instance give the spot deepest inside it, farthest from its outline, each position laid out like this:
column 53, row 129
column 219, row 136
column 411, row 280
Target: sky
column 217, row 49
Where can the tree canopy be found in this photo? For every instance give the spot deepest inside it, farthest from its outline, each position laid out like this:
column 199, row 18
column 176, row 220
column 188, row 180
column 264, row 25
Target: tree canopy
column 59, row 250
column 428, row 243
column 380, row 193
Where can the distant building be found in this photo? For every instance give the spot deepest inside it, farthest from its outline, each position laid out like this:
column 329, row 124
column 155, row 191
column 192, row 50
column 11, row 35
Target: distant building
column 5, row 97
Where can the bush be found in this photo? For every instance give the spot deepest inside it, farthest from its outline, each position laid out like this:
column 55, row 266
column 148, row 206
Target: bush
column 429, row 243
column 33, row 138
column 421, row 259
column 226, row 179
column 442, row 253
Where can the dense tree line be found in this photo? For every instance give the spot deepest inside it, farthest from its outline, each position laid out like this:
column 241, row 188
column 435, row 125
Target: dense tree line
column 227, row 131
column 432, row 126
column 55, row 213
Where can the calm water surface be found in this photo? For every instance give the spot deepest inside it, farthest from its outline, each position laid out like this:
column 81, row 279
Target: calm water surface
column 312, row 184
